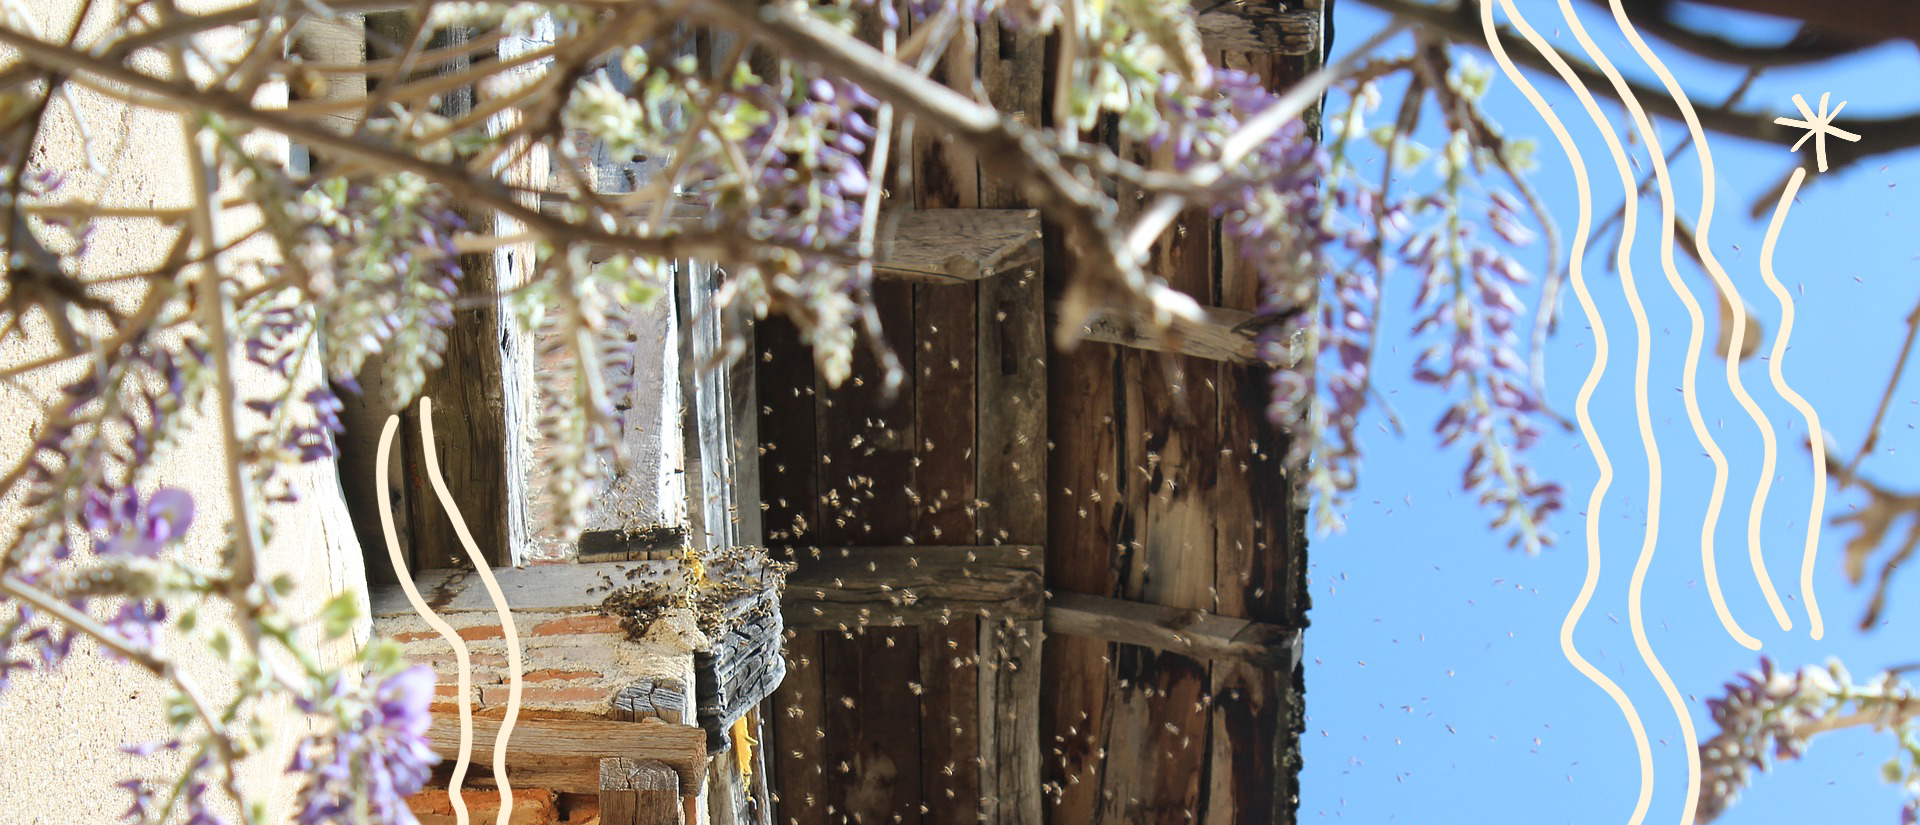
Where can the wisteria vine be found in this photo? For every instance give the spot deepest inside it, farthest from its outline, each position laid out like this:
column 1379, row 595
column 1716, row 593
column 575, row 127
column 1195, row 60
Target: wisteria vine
column 777, row 124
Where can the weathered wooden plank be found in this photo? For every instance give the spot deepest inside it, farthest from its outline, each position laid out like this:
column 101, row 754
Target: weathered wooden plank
column 1259, row 550
column 469, row 422
column 1226, row 335
column 653, row 697
column 799, row 729
column 1168, row 409
column 718, row 395
column 565, row 755
column 514, row 267
column 1009, row 685
column 555, row 587
column 1193, row 633
column 859, row 587
column 943, row 247
column 949, row 731
column 1255, row 747
column 954, row 246
column 1261, row 28
column 947, row 176
column 945, row 330
column 1012, row 386
column 1156, row 736
column 866, row 438
column 1012, row 341
column 789, row 464
column 873, row 726
column 639, row 792
column 337, row 42
column 1085, row 517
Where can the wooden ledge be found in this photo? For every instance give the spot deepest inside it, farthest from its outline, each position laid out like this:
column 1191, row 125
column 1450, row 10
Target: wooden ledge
column 1194, row 633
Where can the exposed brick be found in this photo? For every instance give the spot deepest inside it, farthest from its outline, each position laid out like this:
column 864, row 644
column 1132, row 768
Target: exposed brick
column 485, row 631
column 578, row 624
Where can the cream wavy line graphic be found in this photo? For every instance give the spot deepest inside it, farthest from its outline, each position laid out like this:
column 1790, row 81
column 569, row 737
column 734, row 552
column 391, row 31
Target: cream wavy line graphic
column 1582, row 404
column 1691, row 369
column 510, row 633
column 508, row 630
column 1780, row 384
column 432, row 619
column 1702, row 245
column 1634, row 614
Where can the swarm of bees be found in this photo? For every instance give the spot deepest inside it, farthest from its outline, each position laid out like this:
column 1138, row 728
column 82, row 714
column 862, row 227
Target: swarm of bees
column 724, row 588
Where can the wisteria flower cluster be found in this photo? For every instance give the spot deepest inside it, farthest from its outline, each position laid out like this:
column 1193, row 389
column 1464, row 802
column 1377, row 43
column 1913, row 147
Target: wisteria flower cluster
column 1467, row 298
column 1772, row 714
column 777, row 126
column 376, row 755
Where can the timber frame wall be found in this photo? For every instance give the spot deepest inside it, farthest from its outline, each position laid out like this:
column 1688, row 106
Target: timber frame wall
column 1134, row 480
column 1034, row 586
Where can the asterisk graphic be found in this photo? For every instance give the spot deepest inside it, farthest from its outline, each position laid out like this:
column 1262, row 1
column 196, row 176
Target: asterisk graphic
column 1817, row 127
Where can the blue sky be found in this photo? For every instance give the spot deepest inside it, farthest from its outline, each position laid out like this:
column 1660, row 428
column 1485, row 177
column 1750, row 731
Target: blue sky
column 1424, row 620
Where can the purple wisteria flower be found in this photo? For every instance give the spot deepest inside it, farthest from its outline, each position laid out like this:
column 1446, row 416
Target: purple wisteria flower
column 377, row 755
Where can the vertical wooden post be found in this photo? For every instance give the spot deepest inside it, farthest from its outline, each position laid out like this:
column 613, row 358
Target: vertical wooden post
column 639, row 793
column 1011, row 368
column 469, row 416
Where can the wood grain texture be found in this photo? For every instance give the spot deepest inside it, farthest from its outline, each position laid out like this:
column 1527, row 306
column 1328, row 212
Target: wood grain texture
column 1011, row 365
column 548, row 588
column 954, row 246
column 1193, row 633
column 798, row 726
column 889, row 587
column 468, row 389
column 866, row 438
column 949, row 714
column 1226, row 335
column 513, row 266
column 639, row 792
column 564, row 755
column 1260, row 575
column 1261, row 28
column 873, row 725
column 1171, row 534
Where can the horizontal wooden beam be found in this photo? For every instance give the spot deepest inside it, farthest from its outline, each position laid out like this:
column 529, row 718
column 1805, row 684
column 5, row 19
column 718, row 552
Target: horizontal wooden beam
column 1258, row 27
column 1226, row 335
column 547, row 587
column 928, row 246
column 889, row 586
column 565, row 754
column 954, row 246
column 1194, row 633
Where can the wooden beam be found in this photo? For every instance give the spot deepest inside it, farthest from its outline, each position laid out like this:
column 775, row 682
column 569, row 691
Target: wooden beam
column 549, row 588
column 953, row 246
column 565, row 754
column 914, row 585
column 1227, row 335
column 926, row 246
column 1193, row 633
column 1261, row 28
column 639, row 792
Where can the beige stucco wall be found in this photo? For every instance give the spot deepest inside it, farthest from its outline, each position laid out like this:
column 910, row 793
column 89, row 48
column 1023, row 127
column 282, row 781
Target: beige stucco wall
column 59, row 733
